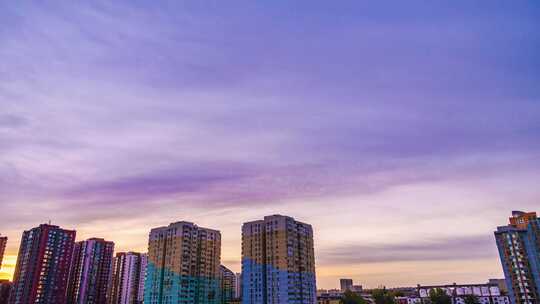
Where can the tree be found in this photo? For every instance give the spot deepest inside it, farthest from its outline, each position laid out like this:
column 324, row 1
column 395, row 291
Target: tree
column 382, row 296
column 350, row 297
column 471, row 299
column 439, row 296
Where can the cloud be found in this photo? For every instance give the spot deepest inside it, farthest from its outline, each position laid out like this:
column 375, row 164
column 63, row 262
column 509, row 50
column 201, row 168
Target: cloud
column 12, row 121
column 135, row 112
column 456, row 248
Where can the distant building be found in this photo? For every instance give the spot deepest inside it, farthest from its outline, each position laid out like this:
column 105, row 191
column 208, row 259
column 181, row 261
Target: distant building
column 501, row 283
column 5, row 288
column 278, row 264
column 43, row 263
column 325, row 298
column 329, row 292
column 334, row 296
column 486, row 293
column 238, row 285
column 345, row 284
column 405, row 291
column 3, row 242
column 91, row 270
column 129, row 271
column 227, row 278
column 519, row 251
column 408, row 300
column 183, row 265
column 356, row 288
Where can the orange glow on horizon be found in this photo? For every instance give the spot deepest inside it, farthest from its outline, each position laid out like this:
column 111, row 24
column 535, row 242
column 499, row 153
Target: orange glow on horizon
column 8, row 267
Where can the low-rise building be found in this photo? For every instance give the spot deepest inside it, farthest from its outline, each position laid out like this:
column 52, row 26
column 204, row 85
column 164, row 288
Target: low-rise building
column 326, row 298
column 486, row 293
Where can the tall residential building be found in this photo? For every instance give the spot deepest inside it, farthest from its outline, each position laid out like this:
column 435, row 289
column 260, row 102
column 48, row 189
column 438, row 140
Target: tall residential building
column 90, row 273
column 42, row 269
column 5, row 289
column 345, row 284
column 278, row 264
column 238, row 285
column 519, row 250
column 129, row 271
column 3, row 242
column 227, row 278
column 183, row 265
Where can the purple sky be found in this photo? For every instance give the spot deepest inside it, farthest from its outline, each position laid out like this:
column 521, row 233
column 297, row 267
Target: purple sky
column 405, row 132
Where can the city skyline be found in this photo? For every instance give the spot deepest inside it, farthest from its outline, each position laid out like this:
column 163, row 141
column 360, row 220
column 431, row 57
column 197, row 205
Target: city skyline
column 335, row 285
column 404, row 133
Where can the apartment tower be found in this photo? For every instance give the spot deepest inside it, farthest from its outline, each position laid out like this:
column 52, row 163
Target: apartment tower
column 227, row 278
column 238, row 285
column 183, row 265
column 129, row 271
column 42, row 269
column 519, row 250
column 91, row 270
column 278, row 264
column 345, row 284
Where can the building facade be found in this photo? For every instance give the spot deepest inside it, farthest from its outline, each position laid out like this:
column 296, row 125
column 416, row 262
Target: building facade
column 42, row 269
column 183, row 265
column 345, row 284
column 278, row 264
column 90, row 273
column 485, row 293
column 5, row 289
column 228, row 284
column 3, row 242
column 501, row 283
column 129, row 272
column 238, row 285
column 519, row 251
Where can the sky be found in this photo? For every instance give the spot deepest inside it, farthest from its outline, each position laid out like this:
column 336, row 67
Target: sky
column 405, row 132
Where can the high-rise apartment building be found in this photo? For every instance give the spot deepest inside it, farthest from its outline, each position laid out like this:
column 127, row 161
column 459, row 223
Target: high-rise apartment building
column 5, row 289
column 345, row 284
column 129, row 271
column 90, row 273
column 278, row 264
column 238, row 285
column 227, row 278
column 183, row 265
column 42, row 269
column 142, row 278
column 519, row 250
column 3, row 242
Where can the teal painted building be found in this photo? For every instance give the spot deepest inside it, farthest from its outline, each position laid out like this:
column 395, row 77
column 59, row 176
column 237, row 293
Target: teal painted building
column 183, row 265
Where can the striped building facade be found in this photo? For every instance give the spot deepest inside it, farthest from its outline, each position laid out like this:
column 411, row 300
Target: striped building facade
column 129, row 272
column 43, row 265
column 91, row 270
column 183, row 265
column 278, row 264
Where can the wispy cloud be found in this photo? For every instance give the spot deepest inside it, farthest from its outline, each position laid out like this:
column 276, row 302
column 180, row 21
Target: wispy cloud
column 120, row 110
column 457, row 248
